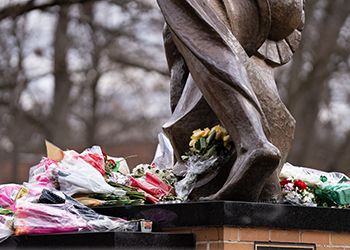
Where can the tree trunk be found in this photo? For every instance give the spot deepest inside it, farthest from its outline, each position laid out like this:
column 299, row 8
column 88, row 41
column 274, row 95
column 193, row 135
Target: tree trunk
column 307, row 95
column 59, row 129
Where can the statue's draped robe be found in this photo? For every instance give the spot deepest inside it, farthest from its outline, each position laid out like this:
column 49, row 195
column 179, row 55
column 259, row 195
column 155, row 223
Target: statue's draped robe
column 206, row 60
column 202, row 35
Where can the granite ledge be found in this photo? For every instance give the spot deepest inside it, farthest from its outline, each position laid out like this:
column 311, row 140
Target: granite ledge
column 236, row 214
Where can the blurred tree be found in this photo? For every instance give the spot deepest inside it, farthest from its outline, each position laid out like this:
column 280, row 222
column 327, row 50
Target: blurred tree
column 95, row 74
column 308, row 86
column 84, row 72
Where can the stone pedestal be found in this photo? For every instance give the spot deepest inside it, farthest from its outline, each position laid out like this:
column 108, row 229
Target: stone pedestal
column 240, row 238
column 105, row 240
column 209, row 226
column 239, row 225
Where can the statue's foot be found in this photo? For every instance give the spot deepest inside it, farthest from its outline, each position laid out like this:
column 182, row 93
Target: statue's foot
column 271, row 192
column 248, row 175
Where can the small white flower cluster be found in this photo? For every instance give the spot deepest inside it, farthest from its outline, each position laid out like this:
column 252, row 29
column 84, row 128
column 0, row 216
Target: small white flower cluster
column 292, row 194
column 165, row 175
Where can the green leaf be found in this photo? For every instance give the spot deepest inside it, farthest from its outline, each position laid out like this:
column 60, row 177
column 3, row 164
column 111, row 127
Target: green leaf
column 197, row 145
column 211, row 138
column 4, row 211
column 203, row 144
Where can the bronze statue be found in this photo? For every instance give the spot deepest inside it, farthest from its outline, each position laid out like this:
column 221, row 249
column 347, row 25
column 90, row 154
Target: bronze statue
column 221, row 55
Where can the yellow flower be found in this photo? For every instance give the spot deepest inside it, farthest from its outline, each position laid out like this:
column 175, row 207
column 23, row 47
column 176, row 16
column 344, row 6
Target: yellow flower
column 197, row 134
column 226, row 138
column 218, row 135
column 224, row 131
column 206, row 132
column 193, row 142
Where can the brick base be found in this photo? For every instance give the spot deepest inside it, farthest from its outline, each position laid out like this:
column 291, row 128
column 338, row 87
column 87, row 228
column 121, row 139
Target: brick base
column 232, row 238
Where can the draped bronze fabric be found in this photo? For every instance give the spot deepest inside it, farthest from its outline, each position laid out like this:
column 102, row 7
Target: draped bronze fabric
column 215, row 76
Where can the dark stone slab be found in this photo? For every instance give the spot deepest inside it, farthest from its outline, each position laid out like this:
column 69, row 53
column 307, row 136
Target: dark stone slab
column 108, row 240
column 240, row 214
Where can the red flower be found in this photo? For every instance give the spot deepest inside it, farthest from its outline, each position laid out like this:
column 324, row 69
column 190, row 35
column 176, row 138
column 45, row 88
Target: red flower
column 285, row 181
column 300, row 184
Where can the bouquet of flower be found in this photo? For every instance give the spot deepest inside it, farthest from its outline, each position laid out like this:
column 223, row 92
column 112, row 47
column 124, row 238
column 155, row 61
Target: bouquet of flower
column 207, row 149
column 297, row 192
column 327, row 189
column 165, row 175
column 158, row 184
column 209, row 143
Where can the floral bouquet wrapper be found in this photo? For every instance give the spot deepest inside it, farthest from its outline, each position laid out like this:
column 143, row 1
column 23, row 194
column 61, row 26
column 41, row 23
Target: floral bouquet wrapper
column 35, row 218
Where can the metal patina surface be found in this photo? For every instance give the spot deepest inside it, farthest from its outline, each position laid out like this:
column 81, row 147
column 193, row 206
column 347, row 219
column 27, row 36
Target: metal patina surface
column 221, row 56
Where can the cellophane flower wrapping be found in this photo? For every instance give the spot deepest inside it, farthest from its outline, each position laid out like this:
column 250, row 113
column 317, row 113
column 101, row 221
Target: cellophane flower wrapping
column 323, row 188
column 75, row 175
column 195, row 167
column 297, row 192
column 35, row 218
column 61, row 214
column 6, row 227
column 312, row 177
column 155, row 189
column 164, row 156
column 208, row 148
column 94, row 156
column 9, row 193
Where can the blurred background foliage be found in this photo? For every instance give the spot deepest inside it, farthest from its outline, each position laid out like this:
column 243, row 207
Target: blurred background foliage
column 85, row 72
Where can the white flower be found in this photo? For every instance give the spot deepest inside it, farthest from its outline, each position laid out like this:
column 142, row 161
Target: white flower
column 289, row 186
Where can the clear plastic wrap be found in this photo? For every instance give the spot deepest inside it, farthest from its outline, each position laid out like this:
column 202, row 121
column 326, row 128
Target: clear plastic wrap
column 164, row 156
column 312, row 177
column 10, row 193
column 156, row 181
column 35, row 218
column 96, row 222
column 117, row 177
column 147, row 187
column 119, row 165
column 42, row 176
column 6, row 227
column 153, row 186
column 325, row 189
column 43, row 173
column 77, row 176
column 195, row 167
column 59, row 213
column 95, row 158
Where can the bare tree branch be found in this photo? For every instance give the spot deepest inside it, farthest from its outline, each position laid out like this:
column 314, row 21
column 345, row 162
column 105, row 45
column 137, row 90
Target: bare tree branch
column 16, row 10
column 127, row 61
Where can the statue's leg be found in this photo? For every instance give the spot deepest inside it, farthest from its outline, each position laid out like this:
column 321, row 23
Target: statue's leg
column 257, row 158
column 281, row 123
